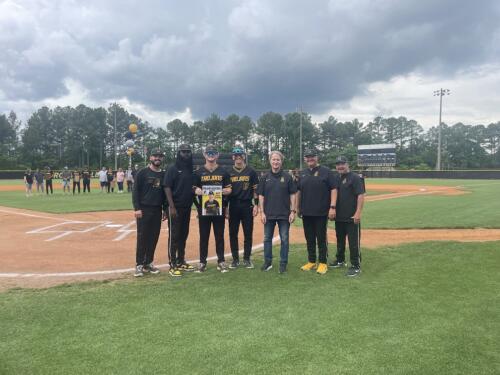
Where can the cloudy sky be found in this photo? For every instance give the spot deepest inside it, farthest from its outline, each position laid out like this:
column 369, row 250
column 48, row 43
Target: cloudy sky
column 165, row 59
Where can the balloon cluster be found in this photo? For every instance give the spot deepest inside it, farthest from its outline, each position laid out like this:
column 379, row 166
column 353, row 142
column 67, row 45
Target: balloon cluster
column 129, row 136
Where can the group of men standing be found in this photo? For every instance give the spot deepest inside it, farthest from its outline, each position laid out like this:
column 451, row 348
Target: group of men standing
column 238, row 196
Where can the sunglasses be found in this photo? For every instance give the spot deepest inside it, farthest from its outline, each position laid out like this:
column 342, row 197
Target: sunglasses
column 212, row 153
column 238, row 150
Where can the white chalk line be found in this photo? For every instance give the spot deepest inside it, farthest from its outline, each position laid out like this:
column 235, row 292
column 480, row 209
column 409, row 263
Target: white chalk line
column 33, row 215
column 110, row 272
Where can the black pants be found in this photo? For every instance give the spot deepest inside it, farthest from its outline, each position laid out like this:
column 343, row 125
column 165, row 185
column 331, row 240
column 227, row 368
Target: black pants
column 178, row 231
column 315, row 232
column 120, row 186
column 241, row 211
column 353, row 233
column 205, row 222
column 110, row 188
column 86, row 185
column 148, row 231
column 129, row 186
column 75, row 184
column 48, row 184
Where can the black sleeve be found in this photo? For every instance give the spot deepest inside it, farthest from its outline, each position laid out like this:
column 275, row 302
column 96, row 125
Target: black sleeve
column 254, row 179
column 226, row 179
column 332, row 181
column 357, row 185
column 169, row 179
column 262, row 186
column 136, row 192
column 292, row 186
column 196, row 180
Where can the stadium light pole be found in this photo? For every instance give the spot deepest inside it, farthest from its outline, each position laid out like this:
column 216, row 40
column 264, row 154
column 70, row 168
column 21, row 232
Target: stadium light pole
column 300, row 139
column 441, row 92
column 114, row 141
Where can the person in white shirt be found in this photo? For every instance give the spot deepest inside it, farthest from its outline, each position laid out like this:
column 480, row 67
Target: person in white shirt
column 103, row 179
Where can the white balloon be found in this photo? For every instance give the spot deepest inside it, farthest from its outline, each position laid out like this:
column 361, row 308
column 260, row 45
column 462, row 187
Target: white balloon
column 130, row 143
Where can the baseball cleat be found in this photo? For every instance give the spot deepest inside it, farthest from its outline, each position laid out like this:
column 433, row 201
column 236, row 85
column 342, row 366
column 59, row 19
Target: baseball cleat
column 138, row 271
column 308, row 266
column 353, row 271
column 222, row 267
column 337, row 264
column 175, row 272
column 322, row 268
column 186, row 267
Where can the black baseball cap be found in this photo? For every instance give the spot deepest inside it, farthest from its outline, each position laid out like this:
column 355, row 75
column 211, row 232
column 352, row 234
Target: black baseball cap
column 211, row 148
column 341, row 160
column 184, row 147
column 157, row 152
column 310, row 152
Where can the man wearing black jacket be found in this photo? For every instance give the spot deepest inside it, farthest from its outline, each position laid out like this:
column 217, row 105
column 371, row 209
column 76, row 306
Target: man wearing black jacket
column 148, row 199
column 178, row 186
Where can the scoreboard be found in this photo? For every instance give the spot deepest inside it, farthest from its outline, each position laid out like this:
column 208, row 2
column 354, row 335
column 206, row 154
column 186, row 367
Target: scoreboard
column 379, row 155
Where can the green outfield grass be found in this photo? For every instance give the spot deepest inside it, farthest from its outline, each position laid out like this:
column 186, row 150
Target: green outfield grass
column 479, row 207
column 429, row 308
column 61, row 203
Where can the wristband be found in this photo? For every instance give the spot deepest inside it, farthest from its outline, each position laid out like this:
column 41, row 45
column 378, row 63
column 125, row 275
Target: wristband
column 294, row 211
column 333, row 207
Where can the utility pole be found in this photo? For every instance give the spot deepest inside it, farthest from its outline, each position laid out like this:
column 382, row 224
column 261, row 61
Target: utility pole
column 441, row 92
column 300, row 140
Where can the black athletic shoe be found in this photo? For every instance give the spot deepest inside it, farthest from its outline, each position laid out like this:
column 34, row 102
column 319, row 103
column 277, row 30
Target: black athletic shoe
column 353, row 271
column 201, row 268
column 248, row 264
column 139, row 272
column 282, row 267
column 234, row 264
column 151, row 269
column 336, row 264
column 266, row 266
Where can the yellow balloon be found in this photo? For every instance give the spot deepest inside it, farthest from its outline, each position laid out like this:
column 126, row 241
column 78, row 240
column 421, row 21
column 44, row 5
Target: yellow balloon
column 130, row 151
column 132, row 128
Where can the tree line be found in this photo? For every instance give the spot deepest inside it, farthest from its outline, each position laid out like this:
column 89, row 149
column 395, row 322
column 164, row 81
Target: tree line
column 84, row 136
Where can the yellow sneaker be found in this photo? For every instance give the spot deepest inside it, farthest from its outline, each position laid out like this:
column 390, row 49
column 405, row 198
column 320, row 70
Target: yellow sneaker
column 175, row 272
column 308, row 266
column 322, row 268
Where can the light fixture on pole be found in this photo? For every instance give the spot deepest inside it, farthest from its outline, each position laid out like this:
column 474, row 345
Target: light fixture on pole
column 441, row 92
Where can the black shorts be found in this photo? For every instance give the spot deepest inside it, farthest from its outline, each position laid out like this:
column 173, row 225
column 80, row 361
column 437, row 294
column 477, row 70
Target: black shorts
column 103, row 183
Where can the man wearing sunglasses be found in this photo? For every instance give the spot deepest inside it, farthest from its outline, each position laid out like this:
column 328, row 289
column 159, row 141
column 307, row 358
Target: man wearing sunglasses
column 178, row 186
column 244, row 181
column 148, row 199
column 211, row 175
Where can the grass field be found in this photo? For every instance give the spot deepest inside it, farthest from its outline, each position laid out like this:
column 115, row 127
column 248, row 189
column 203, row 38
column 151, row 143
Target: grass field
column 430, row 308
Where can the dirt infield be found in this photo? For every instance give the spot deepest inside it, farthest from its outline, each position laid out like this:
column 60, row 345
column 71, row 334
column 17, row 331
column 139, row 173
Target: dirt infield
column 41, row 249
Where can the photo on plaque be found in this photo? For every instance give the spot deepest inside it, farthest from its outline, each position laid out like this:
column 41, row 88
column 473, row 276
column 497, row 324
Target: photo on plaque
column 211, row 200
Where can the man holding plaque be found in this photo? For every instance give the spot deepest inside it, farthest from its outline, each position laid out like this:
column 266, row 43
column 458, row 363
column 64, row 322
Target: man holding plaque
column 212, row 186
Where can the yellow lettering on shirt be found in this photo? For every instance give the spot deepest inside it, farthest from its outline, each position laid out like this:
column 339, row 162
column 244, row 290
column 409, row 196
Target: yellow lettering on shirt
column 240, row 179
column 211, row 178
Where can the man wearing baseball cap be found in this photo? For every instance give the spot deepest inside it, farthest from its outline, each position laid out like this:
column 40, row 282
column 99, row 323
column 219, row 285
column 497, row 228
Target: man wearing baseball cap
column 349, row 206
column 178, row 186
column 211, row 174
column 316, row 192
column 243, row 206
column 148, row 199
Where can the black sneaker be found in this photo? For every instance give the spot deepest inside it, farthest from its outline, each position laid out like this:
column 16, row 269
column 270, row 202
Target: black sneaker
column 201, row 268
column 248, row 264
column 282, row 267
column 266, row 266
column 353, row 271
column 336, row 264
column 151, row 269
column 234, row 264
column 139, row 271
column 222, row 267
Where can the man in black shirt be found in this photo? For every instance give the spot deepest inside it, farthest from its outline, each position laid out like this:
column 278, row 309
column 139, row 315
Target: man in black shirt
column 209, row 175
column 86, row 179
column 350, row 200
column 178, row 187
column 48, row 181
column 244, row 181
column 316, row 192
column 76, row 175
column 277, row 202
column 148, row 199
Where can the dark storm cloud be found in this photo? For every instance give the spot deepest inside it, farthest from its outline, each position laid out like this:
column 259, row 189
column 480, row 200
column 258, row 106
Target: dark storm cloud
column 234, row 56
